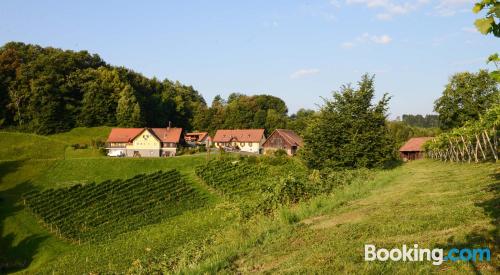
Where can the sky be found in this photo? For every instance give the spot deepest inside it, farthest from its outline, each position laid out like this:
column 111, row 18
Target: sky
column 300, row 51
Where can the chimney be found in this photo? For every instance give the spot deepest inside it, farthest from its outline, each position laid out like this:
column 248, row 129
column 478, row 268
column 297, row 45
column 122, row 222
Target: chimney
column 169, row 125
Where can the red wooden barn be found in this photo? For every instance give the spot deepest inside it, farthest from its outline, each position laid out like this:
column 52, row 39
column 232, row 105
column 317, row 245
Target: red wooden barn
column 413, row 148
column 284, row 139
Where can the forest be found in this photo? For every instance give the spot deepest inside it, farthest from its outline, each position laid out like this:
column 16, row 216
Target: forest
column 49, row 90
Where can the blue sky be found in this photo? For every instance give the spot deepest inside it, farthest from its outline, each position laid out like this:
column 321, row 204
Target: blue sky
column 297, row 50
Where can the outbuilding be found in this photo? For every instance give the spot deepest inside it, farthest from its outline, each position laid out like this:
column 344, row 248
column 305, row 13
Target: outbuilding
column 413, row 148
column 283, row 139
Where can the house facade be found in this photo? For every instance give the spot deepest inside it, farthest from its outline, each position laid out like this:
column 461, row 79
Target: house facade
column 144, row 142
column 413, row 148
column 283, row 139
column 247, row 140
column 198, row 138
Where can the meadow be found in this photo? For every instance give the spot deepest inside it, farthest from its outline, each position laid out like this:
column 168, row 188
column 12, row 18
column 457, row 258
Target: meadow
column 427, row 202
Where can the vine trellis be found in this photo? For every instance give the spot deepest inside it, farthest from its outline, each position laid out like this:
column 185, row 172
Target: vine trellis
column 475, row 142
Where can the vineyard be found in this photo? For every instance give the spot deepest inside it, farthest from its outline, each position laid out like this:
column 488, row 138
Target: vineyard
column 234, row 179
column 95, row 212
column 476, row 141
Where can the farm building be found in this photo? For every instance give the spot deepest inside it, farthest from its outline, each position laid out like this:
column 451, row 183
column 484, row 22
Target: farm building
column 413, row 148
column 283, row 139
column 144, row 142
column 198, row 138
column 248, row 140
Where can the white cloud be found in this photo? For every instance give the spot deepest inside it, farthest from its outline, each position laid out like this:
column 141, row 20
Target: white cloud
column 303, row 73
column 452, row 7
column 383, row 39
column 470, row 30
column 367, row 38
column 389, row 8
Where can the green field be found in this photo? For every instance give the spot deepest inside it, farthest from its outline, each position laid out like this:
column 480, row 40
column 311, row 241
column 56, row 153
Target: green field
column 431, row 203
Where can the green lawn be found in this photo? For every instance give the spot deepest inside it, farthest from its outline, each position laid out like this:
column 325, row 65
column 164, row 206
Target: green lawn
column 430, row 203
column 22, row 146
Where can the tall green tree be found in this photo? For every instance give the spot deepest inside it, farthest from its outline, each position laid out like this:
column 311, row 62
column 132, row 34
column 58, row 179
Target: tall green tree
column 466, row 97
column 128, row 111
column 350, row 130
column 299, row 121
column 100, row 97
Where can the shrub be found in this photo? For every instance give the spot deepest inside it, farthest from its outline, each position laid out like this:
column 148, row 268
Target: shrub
column 280, row 153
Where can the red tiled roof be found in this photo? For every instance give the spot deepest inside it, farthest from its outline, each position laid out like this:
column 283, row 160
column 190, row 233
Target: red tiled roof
column 414, row 144
column 200, row 135
column 128, row 134
column 246, row 135
column 289, row 136
column 123, row 134
column 168, row 134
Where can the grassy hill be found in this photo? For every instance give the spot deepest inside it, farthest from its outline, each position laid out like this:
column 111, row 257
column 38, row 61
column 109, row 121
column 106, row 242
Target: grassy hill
column 430, row 203
column 30, row 146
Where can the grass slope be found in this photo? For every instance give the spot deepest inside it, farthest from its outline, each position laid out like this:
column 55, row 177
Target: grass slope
column 430, row 203
column 22, row 146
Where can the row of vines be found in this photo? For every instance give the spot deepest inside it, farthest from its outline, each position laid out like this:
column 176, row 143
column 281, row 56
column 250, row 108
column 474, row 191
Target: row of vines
column 265, row 185
column 475, row 142
column 233, row 178
column 95, row 212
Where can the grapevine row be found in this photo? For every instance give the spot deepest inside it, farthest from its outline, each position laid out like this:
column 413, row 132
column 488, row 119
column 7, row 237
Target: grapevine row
column 94, row 212
column 476, row 141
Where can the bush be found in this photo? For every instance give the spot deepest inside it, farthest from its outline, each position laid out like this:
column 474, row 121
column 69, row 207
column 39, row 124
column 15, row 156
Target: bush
column 79, row 146
column 280, row 153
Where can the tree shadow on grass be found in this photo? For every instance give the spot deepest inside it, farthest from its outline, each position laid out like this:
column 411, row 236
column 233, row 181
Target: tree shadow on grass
column 15, row 255
column 484, row 238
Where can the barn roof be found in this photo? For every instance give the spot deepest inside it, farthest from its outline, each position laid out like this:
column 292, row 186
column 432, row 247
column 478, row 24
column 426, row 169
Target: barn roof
column 129, row 134
column 200, row 135
column 289, row 136
column 414, row 144
column 246, row 135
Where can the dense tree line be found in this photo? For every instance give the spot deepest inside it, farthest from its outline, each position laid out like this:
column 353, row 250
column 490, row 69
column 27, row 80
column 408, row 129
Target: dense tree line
column 401, row 131
column 47, row 90
column 427, row 121
column 242, row 111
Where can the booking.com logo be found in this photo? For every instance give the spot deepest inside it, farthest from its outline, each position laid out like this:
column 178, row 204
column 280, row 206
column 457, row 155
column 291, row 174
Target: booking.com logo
column 416, row 254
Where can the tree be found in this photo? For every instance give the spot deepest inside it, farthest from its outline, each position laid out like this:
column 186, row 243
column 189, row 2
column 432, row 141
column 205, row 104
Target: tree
column 274, row 121
column 128, row 111
column 350, row 131
column 401, row 131
column 427, row 121
column 101, row 91
column 466, row 97
column 298, row 122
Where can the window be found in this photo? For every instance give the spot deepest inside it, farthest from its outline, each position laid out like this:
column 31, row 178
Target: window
column 242, row 144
